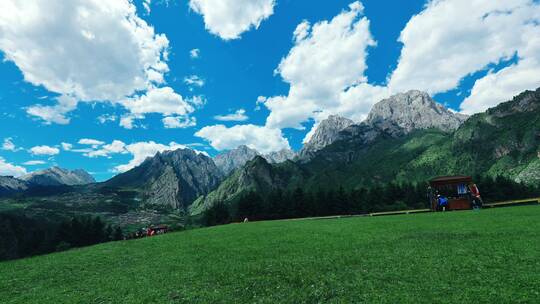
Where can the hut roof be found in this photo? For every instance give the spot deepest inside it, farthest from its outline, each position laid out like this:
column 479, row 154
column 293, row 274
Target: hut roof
column 456, row 179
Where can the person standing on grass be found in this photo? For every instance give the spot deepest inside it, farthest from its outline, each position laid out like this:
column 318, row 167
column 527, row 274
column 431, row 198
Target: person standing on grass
column 443, row 202
column 475, row 196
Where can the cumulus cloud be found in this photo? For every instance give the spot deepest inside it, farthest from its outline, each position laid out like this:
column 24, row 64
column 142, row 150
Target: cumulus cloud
column 157, row 100
column 228, row 19
column 44, row 150
column 141, row 150
column 115, row 147
column 8, row 145
column 451, row 39
column 34, row 163
column 263, row 139
column 238, row 115
column 85, row 50
column 179, row 122
column 325, row 70
column 7, row 169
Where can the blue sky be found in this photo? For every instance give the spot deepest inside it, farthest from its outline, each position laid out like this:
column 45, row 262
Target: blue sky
column 82, row 89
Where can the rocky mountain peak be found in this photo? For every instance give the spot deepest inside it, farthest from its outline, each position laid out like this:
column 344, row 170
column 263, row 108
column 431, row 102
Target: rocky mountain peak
column 56, row 176
column 232, row 159
column 171, row 178
column 236, row 158
column 280, row 156
column 414, row 110
column 324, row 134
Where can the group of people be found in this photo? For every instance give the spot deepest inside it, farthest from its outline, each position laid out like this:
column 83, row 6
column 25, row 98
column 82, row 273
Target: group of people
column 148, row 231
column 471, row 191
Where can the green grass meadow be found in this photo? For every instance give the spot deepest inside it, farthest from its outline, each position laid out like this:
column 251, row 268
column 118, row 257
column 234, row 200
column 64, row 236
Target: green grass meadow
column 490, row 256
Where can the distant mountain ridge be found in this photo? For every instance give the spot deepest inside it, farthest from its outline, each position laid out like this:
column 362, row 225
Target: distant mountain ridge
column 10, row 185
column 57, row 176
column 236, row 158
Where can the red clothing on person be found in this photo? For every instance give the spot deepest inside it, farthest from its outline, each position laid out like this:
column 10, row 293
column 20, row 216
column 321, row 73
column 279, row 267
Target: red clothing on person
column 474, row 190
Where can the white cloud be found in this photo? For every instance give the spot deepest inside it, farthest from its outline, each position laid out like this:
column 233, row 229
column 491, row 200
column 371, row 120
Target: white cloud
column 179, row 122
column 325, row 70
column 228, row 19
column 263, row 139
column 451, row 39
column 260, row 101
column 44, row 150
column 115, row 147
column 238, row 115
column 34, row 163
column 195, row 53
column 128, row 121
column 141, row 150
column 7, row 169
column 83, row 50
column 194, row 80
column 66, row 146
column 90, row 142
column 8, row 145
column 56, row 113
column 502, row 86
column 157, row 100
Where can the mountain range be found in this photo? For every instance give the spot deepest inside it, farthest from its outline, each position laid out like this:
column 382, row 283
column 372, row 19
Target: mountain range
column 54, row 176
column 407, row 137
column 236, row 158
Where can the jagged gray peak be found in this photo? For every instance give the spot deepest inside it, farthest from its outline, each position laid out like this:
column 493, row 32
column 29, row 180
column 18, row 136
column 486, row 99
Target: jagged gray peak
column 325, row 133
column 171, row 178
column 280, row 156
column 414, row 110
column 56, row 176
column 10, row 184
column 235, row 158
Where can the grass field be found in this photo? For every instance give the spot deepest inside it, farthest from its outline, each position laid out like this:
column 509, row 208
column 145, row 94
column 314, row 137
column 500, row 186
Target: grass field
column 491, row 256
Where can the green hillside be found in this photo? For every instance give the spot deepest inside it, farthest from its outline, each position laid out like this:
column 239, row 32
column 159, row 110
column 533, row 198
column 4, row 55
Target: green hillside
column 489, row 256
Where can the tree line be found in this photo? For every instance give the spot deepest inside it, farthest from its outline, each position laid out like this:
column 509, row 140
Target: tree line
column 23, row 236
column 298, row 203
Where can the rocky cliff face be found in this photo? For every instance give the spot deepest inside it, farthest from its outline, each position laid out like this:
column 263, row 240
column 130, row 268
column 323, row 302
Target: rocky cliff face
column 414, row 110
column 280, row 156
column 325, row 133
column 172, row 178
column 395, row 116
column 9, row 184
column 236, row 158
column 230, row 160
column 56, row 176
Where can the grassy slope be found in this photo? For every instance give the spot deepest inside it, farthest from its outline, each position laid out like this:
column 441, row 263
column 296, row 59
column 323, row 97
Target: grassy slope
column 485, row 257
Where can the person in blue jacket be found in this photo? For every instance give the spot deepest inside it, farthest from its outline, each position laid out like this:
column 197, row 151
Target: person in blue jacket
column 443, row 202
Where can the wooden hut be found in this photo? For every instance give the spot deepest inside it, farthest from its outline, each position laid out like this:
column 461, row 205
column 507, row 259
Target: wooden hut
column 455, row 188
